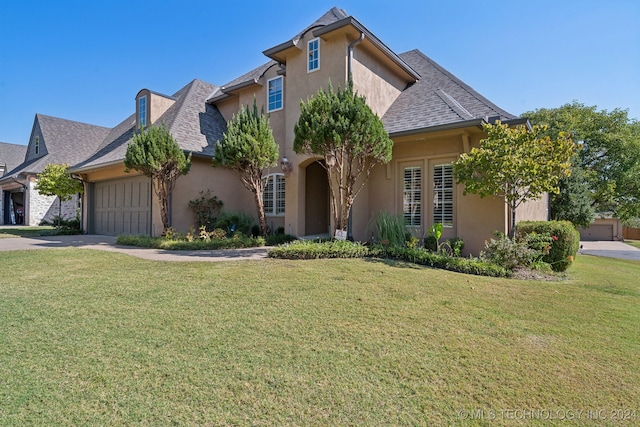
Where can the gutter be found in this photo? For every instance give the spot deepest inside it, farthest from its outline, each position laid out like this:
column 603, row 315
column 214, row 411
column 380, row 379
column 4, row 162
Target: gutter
column 458, row 125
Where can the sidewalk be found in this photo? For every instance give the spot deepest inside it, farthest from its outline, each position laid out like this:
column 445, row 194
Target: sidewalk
column 108, row 243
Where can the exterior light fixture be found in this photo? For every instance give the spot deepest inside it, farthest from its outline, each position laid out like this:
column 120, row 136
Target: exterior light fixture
column 286, row 166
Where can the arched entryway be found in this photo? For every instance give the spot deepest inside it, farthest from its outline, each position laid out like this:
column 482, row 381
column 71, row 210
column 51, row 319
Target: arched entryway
column 317, row 213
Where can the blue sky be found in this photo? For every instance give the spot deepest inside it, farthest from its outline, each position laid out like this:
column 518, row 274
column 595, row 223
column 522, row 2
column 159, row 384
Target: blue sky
column 86, row 61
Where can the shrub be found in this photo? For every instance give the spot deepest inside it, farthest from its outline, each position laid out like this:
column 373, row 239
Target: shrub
column 279, row 239
column 438, row 260
column 235, row 221
column 508, row 253
column 236, row 242
column 305, row 249
column 387, row 229
column 565, row 241
column 206, row 208
column 457, row 246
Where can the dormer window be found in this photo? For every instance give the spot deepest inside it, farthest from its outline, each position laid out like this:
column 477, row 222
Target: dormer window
column 142, row 111
column 37, row 145
column 313, row 54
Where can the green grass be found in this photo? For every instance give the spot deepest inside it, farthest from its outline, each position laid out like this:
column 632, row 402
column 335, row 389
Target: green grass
column 100, row 338
column 27, row 231
column 635, row 243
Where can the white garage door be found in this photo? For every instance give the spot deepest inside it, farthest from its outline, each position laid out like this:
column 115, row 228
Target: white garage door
column 597, row 232
column 122, row 206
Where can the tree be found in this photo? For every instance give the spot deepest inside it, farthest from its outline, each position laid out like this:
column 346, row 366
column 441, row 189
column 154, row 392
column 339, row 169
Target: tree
column 516, row 163
column 55, row 180
column 573, row 201
column 154, row 153
column 609, row 153
column 342, row 129
column 247, row 148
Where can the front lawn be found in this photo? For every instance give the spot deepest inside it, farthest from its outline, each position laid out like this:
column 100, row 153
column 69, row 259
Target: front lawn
column 26, row 231
column 101, row 338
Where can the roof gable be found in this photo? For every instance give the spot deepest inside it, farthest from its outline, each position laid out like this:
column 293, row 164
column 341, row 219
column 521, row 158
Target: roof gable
column 11, row 155
column 195, row 125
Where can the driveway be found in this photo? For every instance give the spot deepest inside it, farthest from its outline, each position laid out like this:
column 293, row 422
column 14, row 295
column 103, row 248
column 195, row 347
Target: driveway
column 108, row 243
column 610, row 249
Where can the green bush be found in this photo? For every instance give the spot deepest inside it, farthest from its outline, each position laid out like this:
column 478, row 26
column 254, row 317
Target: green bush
column 565, row 244
column 236, row 242
column 234, row 222
column 206, row 208
column 508, row 253
column 305, row 249
column 279, row 239
column 439, row 260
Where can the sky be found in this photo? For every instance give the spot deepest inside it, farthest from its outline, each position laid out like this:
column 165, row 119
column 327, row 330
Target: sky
column 86, row 60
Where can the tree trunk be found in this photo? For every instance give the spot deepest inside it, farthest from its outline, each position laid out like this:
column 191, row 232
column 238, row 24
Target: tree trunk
column 260, row 208
column 512, row 231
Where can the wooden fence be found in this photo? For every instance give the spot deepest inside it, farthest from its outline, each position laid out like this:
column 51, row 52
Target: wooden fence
column 631, row 233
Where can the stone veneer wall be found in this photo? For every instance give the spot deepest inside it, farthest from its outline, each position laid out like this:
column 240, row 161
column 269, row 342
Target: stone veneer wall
column 45, row 208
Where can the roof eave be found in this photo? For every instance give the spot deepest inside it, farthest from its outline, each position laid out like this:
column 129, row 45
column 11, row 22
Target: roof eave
column 84, row 169
column 274, row 52
column 229, row 90
column 477, row 122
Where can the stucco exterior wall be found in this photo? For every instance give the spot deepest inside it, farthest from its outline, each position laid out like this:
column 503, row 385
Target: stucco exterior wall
column 202, row 177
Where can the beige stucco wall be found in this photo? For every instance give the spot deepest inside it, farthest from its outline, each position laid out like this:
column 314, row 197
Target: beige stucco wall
column 221, row 183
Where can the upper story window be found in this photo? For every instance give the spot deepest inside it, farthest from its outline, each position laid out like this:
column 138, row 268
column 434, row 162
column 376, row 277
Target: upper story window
column 443, row 195
column 274, row 94
column 273, row 196
column 142, row 111
column 313, row 52
column 37, row 145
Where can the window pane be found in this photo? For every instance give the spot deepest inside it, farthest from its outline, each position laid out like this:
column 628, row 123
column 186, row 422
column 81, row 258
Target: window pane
column 267, row 196
column 443, row 195
column 314, row 55
column 280, row 193
column 274, row 194
column 275, row 94
column 142, row 111
column 412, row 196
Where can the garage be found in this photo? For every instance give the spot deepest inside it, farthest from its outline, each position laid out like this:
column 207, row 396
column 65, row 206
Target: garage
column 597, row 232
column 122, row 206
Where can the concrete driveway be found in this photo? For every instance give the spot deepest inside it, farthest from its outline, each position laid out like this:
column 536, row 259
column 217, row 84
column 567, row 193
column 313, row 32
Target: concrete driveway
column 610, row 249
column 108, row 243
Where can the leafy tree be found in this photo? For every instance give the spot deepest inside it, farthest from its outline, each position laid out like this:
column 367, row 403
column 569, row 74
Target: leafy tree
column 516, row 163
column 247, row 148
column 609, row 154
column 154, row 153
column 55, row 180
column 573, row 201
column 342, row 129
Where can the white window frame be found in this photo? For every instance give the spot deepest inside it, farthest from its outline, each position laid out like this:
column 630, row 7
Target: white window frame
column 412, row 198
column 277, row 206
column 316, row 58
column 142, row 115
column 269, row 109
column 443, row 195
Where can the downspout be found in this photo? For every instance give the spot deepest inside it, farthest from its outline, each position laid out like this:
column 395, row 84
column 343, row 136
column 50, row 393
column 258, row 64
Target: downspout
column 350, row 57
column 350, row 82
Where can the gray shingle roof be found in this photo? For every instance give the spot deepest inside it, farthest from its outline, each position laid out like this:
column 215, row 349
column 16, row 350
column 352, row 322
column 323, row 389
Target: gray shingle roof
column 11, row 155
column 438, row 98
column 195, row 125
column 63, row 141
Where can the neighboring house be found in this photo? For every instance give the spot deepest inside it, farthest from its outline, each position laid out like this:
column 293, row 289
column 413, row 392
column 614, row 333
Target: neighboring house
column 11, row 155
column 52, row 140
column 604, row 227
column 430, row 114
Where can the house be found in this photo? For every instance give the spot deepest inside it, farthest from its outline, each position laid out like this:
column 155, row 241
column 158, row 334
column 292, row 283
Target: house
column 52, row 140
column 605, row 226
column 11, row 155
column 431, row 116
